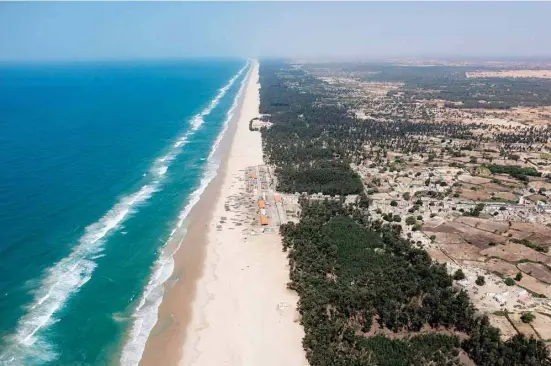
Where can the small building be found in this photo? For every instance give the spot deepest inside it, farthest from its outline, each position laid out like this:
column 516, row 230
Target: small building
column 263, row 220
column 523, row 296
column 261, row 204
column 501, row 298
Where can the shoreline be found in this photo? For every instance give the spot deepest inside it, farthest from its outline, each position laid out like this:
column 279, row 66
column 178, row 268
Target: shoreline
column 164, row 343
column 226, row 301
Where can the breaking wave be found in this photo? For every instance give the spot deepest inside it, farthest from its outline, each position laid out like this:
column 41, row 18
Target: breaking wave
column 146, row 312
column 67, row 276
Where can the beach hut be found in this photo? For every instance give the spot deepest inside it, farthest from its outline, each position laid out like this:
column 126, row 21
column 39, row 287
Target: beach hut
column 261, row 204
column 263, row 220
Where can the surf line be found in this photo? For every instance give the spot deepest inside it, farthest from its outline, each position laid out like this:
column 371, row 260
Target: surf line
column 68, row 275
column 145, row 315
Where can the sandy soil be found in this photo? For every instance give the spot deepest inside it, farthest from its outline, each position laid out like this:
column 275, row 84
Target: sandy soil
column 542, row 325
column 536, row 270
column 226, row 302
column 546, row 74
column 243, row 314
column 501, row 322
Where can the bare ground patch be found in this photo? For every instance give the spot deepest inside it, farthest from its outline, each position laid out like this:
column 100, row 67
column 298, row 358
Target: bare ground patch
column 466, row 252
column 534, row 285
column 483, row 224
column 523, row 328
column 515, row 252
column 474, row 195
column 536, row 270
column 542, row 325
column 501, row 322
column 539, row 74
column 497, row 265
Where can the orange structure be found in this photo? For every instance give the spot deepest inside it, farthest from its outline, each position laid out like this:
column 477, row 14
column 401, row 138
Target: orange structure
column 277, row 197
column 263, row 220
column 261, row 204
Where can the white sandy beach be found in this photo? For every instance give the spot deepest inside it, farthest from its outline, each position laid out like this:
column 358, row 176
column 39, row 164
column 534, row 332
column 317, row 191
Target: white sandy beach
column 242, row 313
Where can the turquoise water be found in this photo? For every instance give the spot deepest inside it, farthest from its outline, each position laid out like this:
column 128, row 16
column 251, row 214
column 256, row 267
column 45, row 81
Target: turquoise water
column 100, row 162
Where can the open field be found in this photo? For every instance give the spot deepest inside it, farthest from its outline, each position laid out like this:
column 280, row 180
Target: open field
column 545, row 74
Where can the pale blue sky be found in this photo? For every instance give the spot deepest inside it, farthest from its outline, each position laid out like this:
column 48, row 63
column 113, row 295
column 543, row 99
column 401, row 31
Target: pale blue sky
column 67, row 31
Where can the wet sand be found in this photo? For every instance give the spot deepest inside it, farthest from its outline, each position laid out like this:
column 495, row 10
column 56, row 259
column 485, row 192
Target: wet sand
column 226, row 302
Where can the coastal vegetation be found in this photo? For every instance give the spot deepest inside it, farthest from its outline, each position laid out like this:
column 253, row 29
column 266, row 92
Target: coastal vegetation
column 368, row 296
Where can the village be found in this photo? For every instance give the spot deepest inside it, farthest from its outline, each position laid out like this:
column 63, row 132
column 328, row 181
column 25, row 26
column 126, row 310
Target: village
column 479, row 202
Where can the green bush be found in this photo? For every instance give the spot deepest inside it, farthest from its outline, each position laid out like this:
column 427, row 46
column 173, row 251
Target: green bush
column 459, row 275
column 480, row 280
column 527, row 317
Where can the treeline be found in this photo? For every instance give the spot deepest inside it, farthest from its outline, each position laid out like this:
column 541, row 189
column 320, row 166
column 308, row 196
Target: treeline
column 450, row 83
column 354, row 277
column 513, row 170
column 476, row 104
column 307, row 157
column 313, row 140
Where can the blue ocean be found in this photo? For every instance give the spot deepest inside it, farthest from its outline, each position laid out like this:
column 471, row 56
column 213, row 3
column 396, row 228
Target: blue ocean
column 100, row 163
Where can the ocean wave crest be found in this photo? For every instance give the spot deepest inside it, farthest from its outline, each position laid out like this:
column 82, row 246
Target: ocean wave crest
column 67, row 276
column 145, row 315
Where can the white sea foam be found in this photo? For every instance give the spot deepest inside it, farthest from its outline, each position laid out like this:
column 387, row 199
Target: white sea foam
column 146, row 312
column 162, row 170
column 67, row 276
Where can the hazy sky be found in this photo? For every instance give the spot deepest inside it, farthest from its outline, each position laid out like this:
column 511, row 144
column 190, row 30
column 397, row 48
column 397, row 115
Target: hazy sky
column 49, row 31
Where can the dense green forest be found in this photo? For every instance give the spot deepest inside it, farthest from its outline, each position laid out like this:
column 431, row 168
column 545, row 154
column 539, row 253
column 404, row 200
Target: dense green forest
column 353, row 277
column 367, row 296
column 308, row 156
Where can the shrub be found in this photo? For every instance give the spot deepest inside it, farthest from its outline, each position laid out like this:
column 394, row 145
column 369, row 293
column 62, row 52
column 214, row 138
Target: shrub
column 480, row 281
column 459, row 275
column 393, row 203
column 509, row 281
column 518, row 277
column 527, row 317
